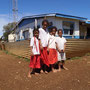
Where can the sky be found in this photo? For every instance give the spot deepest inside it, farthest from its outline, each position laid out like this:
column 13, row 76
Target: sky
column 33, row 7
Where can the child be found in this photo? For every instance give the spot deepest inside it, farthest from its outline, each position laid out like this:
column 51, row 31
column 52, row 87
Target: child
column 35, row 52
column 43, row 35
column 61, row 45
column 52, row 57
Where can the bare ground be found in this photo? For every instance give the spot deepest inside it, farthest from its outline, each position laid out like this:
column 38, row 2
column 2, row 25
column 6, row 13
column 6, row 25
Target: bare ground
column 13, row 75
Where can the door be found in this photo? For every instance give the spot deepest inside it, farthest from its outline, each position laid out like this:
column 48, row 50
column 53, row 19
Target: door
column 88, row 32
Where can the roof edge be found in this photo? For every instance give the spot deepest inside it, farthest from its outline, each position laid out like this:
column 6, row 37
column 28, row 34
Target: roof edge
column 51, row 14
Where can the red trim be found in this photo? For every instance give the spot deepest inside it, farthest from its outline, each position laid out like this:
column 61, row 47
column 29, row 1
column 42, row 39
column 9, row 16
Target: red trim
column 35, row 44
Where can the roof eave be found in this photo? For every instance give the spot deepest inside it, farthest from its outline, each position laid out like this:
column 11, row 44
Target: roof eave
column 51, row 14
column 71, row 17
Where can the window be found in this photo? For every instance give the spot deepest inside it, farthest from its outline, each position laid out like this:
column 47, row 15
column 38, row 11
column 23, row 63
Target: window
column 66, row 31
column 68, row 27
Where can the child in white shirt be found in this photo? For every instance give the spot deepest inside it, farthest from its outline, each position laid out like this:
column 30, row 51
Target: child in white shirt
column 35, row 52
column 43, row 35
column 61, row 45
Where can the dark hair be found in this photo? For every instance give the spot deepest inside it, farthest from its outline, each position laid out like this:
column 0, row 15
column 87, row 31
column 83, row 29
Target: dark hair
column 60, row 30
column 38, row 26
column 51, row 28
column 35, row 30
column 45, row 21
column 54, row 28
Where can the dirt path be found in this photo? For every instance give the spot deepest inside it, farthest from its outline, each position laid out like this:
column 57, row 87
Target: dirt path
column 13, row 75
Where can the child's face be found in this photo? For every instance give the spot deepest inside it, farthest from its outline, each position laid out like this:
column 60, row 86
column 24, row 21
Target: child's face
column 36, row 34
column 50, row 33
column 60, row 33
column 45, row 25
column 54, row 31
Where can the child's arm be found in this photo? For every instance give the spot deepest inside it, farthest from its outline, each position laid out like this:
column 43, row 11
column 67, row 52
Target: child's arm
column 47, row 49
column 41, row 47
column 31, row 51
column 48, row 44
column 64, row 47
column 31, row 46
column 57, row 48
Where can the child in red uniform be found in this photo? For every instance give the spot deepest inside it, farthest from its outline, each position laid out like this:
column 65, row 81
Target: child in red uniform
column 43, row 35
column 35, row 52
column 52, row 57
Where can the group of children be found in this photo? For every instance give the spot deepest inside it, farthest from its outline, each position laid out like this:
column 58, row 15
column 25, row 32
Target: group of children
column 47, row 49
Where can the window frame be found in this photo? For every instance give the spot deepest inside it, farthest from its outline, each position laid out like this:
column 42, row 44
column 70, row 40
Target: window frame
column 68, row 29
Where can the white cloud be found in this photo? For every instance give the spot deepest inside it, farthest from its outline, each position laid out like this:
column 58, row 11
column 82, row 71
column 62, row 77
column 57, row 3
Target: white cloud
column 3, row 21
column 6, row 18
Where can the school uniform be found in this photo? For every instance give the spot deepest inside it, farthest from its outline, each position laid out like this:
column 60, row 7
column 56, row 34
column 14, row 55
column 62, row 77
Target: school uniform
column 35, row 60
column 52, row 57
column 43, row 35
column 60, row 42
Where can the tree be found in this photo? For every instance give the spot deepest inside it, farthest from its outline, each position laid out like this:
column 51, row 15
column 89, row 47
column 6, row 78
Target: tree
column 7, row 29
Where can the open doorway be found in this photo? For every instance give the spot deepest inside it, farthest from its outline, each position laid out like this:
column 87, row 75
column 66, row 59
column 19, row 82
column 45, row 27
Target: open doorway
column 88, row 32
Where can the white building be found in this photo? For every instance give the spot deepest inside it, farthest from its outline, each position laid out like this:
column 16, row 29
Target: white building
column 12, row 37
column 72, row 26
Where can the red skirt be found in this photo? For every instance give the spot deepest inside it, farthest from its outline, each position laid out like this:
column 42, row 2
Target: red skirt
column 44, row 56
column 52, row 57
column 35, row 61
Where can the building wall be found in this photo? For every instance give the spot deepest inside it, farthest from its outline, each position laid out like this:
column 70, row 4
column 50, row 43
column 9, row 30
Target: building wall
column 22, row 27
column 57, row 21
column 77, row 30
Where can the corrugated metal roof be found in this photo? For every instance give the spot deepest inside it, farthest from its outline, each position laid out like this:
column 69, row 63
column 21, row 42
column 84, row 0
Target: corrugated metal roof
column 57, row 15
column 71, row 17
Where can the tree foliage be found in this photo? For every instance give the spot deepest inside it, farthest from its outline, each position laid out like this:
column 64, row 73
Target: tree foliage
column 7, row 29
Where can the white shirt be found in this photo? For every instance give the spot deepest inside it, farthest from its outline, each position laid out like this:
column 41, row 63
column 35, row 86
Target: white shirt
column 35, row 48
column 60, row 42
column 52, row 42
column 43, row 35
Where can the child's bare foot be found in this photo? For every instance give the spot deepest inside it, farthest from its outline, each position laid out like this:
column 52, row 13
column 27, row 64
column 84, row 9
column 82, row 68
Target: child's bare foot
column 41, row 71
column 46, row 72
column 65, row 68
column 29, row 76
column 59, row 70
column 54, row 71
column 36, row 73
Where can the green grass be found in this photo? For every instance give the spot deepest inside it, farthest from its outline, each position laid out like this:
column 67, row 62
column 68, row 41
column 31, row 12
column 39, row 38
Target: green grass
column 6, row 52
column 26, row 59
column 87, row 54
column 20, row 57
column 75, row 58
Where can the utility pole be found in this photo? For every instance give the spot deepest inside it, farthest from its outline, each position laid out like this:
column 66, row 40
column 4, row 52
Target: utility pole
column 15, row 10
